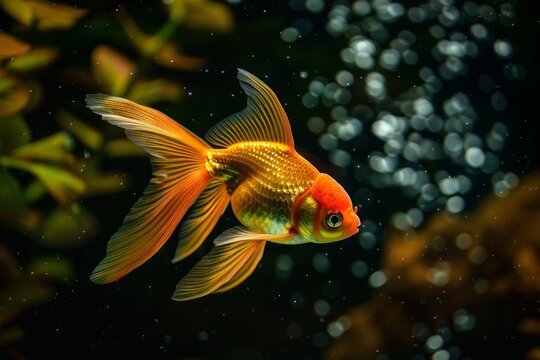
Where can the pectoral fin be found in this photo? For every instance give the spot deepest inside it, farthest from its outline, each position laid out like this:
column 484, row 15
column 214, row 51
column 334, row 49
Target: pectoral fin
column 224, row 267
column 240, row 233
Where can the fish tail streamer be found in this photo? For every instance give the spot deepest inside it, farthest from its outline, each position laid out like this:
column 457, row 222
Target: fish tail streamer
column 179, row 176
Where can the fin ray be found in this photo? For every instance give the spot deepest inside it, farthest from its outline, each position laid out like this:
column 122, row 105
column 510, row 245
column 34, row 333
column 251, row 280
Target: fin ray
column 155, row 132
column 247, row 269
column 240, row 233
column 262, row 120
column 201, row 219
column 179, row 177
column 214, row 269
column 228, row 264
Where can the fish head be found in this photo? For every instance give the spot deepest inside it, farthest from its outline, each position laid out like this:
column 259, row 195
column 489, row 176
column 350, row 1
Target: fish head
column 326, row 213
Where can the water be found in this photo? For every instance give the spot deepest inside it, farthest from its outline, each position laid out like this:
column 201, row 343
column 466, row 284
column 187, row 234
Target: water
column 421, row 110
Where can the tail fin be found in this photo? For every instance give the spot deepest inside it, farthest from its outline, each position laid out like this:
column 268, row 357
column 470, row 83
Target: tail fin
column 178, row 158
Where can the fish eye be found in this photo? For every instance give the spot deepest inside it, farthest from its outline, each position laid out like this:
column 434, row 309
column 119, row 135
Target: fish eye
column 334, row 219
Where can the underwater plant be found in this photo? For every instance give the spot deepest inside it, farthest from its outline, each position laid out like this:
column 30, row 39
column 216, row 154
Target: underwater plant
column 51, row 159
column 420, row 109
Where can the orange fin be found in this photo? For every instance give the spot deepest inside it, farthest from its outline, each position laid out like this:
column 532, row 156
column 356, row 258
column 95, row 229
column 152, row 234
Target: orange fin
column 240, row 233
column 216, row 268
column 262, row 120
column 201, row 219
column 153, row 131
column 225, row 266
column 179, row 177
column 247, row 269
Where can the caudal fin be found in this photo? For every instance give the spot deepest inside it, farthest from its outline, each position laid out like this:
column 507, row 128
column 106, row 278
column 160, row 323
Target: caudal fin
column 178, row 158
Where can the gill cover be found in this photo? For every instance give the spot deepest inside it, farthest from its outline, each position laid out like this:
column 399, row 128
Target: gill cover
column 325, row 212
column 307, row 213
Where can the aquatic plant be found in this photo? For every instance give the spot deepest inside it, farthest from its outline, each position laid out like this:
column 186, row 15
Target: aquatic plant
column 46, row 177
column 420, row 107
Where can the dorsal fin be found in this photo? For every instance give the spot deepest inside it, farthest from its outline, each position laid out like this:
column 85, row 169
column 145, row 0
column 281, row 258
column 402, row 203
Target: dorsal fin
column 262, row 120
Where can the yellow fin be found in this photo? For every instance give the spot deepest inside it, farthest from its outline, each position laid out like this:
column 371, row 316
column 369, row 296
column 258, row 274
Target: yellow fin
column 247, row 269
column 215, row 269
column 153, row 131
column 262, row 120
column 225, row 266
column 240, row 233
column 201, row 219
column 179, row 177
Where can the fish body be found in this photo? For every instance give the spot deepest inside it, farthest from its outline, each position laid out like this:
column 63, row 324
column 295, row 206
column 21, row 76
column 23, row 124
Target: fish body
column 276, row 194
column 264, row 180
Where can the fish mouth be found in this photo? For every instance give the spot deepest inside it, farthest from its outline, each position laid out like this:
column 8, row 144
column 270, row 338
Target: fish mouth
column 353, row 227
column 351, row 231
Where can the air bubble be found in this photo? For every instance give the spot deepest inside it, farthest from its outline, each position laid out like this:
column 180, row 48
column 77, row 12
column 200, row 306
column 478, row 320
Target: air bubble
column 377, row 279
column 290, row 34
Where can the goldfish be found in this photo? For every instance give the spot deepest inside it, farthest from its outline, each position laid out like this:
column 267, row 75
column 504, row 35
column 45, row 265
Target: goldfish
column 276, row 194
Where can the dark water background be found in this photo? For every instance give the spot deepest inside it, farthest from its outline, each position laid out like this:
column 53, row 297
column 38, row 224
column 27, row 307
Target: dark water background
column 269, row 316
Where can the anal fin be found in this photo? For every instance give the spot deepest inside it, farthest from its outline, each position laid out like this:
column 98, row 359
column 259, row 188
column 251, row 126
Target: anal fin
column 247, row 268
column 224, row 267
column 240, row 233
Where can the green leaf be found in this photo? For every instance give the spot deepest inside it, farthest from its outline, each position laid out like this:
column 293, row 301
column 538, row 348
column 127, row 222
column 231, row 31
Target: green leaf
column 82, row 131
column 34, row 192
column 106, row 184
column 111, row 70
column 123, row 148
column 19, row 10
column 14, row 94
column 12, row 200
column 61, row 184
column 34, row 59
column 204, row 15
column 50, row 16
column 64, row 186
column 56, row 268
column 171, row 57
column 66, row 228
column 155, row 46
column 10, row 335
column 26, row 223
column 9, row 268
column 14, row 132
column 16, row 298
column 154, row 91
column 10, row 46
column 53, row 149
